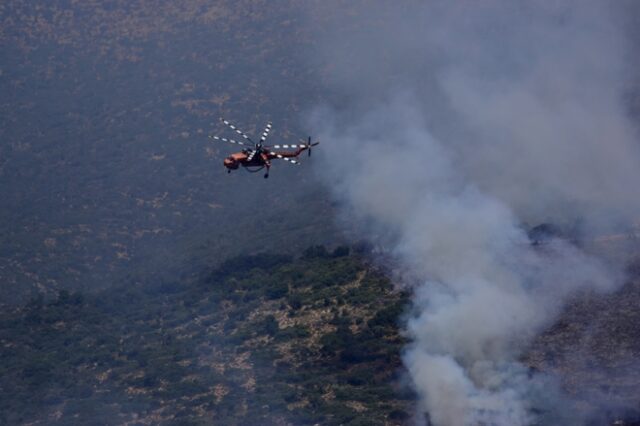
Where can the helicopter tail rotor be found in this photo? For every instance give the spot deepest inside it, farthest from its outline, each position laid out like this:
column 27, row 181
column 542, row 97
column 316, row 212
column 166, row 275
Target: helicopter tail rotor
column 309, row 145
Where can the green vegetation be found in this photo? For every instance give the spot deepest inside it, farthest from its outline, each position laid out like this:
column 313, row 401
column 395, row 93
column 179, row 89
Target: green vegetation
column 261, row 340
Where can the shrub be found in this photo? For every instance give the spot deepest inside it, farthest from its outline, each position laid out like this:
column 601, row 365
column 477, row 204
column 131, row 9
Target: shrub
column 270, row 325
column 277, row 290
column 295, row 301
column 295, row 332
column 240, row 265
column 398, row 415
column 315, row 252
column 341, row 251
column 387, row 317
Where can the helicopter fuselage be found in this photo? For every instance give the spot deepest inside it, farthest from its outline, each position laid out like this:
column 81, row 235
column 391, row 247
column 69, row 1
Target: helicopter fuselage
column 237, row 159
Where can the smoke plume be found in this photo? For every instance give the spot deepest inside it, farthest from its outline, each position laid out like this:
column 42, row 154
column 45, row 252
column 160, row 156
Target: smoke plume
column 450, row 124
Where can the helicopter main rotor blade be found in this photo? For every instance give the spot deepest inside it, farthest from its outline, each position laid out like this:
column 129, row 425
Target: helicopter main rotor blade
column 265, row 133
column 290, row 146
column 235, row 129
column 218, row 138
column 297, row 163
column 305, row 144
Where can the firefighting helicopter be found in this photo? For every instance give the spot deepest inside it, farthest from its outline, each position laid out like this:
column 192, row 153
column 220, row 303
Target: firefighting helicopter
column 258, row 156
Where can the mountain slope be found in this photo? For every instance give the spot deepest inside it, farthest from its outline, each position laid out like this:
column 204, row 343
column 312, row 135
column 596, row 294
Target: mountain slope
column 261, row 340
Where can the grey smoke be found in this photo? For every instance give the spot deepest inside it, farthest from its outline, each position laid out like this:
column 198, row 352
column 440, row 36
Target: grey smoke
column 451, row 124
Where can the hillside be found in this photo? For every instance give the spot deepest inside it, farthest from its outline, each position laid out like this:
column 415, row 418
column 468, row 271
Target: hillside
column 261, row 340
column 270, row 339
column 594, row 348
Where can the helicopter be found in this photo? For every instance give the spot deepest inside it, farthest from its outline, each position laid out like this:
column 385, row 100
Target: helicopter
column 258, row 156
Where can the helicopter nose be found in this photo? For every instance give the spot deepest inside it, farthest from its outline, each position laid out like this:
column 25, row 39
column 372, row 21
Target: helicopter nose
column 230, row 163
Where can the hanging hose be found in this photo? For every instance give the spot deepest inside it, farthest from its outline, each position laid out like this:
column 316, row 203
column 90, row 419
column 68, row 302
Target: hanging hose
column 253, row 171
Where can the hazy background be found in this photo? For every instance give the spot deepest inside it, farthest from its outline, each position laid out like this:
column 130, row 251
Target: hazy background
column 106, row 172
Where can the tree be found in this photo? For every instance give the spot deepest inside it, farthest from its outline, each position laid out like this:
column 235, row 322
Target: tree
column 270, row 325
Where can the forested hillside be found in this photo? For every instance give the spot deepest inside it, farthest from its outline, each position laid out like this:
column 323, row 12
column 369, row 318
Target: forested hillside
column 261, row 340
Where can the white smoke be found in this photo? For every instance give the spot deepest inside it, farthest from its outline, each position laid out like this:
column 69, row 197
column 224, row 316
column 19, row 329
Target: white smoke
column 494, row 113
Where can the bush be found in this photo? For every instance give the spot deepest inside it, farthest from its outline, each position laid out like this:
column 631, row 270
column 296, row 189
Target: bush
column 295, row 332
column 270, row 325
column 338, row 340
column 63, row 297
column 241, row 265
column 171, row 287
column 295, row 301
column 341, row 251
column 398, row 415
column 356, row 353
column 277, row 290
column 544, row 233
column 387, row 317
column 362, row 247
column 315, row 252
column 342, row 413
column 359, row 377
